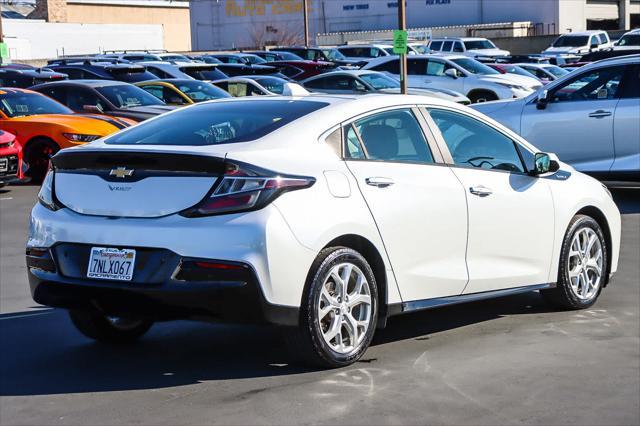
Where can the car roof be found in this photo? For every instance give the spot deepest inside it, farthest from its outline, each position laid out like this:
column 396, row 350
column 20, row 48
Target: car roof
column 584, row 33
column 85, row 83
column 459, row 38
column 170, row 81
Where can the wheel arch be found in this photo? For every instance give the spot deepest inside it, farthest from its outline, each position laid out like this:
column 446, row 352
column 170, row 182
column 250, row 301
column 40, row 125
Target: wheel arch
column 373, row 256
column 597, row 215
column 481, row 90
column 40, row 137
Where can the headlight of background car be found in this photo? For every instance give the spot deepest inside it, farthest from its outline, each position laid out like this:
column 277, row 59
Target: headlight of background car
column 512, row 86
column 77, row 137
column 45, row 196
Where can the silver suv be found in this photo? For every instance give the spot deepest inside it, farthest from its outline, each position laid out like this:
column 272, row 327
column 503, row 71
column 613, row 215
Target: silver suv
column 589, row 118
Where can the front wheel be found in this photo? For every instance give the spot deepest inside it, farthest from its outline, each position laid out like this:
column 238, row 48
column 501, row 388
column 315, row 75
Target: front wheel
column 339, row 310
column 109, row 329
column 480, row 96
column 37, row 155
column 583, row 266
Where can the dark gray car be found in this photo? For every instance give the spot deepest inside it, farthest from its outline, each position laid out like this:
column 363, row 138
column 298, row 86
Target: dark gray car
column 113, row 98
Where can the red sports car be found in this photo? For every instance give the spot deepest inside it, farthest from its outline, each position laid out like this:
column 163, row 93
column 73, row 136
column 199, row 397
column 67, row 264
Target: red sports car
column 11, row 167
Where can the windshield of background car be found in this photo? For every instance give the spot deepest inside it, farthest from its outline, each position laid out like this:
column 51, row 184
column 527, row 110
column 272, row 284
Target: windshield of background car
column 473, row 66
column 254, row 59
column 201, row 91
column 514, row 69
column 132, row 77
column 556, row 71
column 421, row 49
column 334, row 55
column 204, row 74
column 126, row 96
column 288, row 56
column 479, row 45
column 629, row 40
column 380, row 81
column 21, row 104
column 272, row 84
column 217, row 123
column 571, row 41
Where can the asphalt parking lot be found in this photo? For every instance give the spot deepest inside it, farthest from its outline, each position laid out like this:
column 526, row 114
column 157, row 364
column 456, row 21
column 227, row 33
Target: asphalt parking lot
column 505, row 361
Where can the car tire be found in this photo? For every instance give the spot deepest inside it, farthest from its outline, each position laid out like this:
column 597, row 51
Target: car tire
column 37, row 154
column 325, row 336
column 583, row 266
column 100, row 327
column 480, row 96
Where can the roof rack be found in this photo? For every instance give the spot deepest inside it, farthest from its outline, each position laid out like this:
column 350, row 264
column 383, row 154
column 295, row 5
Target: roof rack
column 152, row 51
column 89, row 60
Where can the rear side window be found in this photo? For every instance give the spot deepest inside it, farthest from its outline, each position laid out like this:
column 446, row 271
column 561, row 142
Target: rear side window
column 389, row 136
column 392, row 66
column 217, row 123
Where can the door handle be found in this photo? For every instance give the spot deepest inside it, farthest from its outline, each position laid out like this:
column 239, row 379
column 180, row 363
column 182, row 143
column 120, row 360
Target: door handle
column 600, row 114
column 380, row 182
column 480, row 190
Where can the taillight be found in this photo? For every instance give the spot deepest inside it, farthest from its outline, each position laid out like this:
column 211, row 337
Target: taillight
column 244, row 188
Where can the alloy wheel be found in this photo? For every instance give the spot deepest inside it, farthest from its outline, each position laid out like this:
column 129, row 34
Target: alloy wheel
column 344, row 308
column 585, row 263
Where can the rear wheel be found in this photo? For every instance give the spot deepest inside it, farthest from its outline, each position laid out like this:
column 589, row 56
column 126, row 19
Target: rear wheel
column 479, row 96
column 339, row 310
column 37, row 155
column 583, row 266
column 109, row 329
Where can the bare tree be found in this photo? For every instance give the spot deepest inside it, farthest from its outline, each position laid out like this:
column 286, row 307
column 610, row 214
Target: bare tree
column 284, row 34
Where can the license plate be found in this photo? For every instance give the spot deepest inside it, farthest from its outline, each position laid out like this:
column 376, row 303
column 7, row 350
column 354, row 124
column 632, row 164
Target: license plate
column 4, row 164
column 111, row 263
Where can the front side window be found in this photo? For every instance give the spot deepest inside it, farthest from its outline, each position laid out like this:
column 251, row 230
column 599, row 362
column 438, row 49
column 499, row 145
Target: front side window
column 217, row 123
column 457, row 47
column 78, row 97
column 446, row 47
column 600, row 84
column 389, row 136
column 603, row 38
column 473, row 143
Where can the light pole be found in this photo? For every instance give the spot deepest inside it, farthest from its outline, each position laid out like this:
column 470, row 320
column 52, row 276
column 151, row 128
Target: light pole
column 402, row 25
column 305, row 15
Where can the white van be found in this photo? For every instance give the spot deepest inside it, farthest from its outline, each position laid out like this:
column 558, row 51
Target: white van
column 468, row 46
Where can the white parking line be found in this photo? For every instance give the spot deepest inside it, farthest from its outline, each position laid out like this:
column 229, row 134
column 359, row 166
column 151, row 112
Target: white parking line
column 35, row 314
column 7, row 198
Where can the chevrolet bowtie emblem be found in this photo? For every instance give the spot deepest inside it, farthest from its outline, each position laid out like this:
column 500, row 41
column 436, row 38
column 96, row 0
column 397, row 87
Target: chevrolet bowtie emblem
column 121, row 172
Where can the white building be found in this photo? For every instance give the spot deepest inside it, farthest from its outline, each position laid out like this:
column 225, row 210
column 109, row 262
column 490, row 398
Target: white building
column 223, row 24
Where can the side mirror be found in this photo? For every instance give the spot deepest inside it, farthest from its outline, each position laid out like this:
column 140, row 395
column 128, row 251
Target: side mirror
column 543, row 99
column 545, row 163
column 451, row 73
column 93, row 109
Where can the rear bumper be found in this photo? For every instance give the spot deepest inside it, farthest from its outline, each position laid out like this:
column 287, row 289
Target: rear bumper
column 165, row 286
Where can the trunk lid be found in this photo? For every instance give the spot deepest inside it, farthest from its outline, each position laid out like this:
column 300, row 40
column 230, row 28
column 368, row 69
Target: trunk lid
column 140, row 184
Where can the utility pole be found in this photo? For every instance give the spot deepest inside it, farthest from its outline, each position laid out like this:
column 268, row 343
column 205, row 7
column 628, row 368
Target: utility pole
column 402, row 26
column 305, row 14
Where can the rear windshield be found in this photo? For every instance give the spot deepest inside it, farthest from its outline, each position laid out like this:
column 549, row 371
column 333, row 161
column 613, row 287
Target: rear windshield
column 131, row 76
column 217, row 123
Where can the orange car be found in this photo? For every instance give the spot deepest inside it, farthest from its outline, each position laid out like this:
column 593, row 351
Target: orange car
column 44, row 126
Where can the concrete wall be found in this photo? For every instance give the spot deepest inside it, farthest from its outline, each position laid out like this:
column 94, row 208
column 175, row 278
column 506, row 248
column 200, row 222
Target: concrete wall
column 41, row 39
column 524, row 45
column 174, row 20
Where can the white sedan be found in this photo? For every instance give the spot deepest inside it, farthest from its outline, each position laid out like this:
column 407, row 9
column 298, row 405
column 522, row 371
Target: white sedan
column 324, row 214
column 459, row 73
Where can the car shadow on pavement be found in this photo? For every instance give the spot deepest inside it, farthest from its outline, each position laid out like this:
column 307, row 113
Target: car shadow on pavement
column 43, row 354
